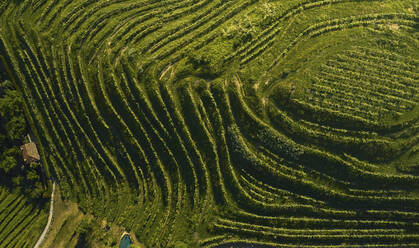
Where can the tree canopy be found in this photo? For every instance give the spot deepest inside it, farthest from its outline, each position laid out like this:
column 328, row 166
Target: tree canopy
column 13, row 128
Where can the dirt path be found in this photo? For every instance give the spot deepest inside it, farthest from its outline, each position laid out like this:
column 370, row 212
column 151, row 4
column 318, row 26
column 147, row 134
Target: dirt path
column 51, row 213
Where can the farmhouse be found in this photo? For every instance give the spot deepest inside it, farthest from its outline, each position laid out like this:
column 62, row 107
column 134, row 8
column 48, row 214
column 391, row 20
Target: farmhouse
column 30, row 152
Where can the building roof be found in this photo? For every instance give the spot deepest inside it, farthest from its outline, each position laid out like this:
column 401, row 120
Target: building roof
column 30, row 152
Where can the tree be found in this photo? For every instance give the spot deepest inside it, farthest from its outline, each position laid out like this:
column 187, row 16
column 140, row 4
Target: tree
column 8, row 163
column 16, row 128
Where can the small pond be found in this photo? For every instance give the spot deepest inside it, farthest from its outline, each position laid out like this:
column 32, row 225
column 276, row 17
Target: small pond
column 125, row 241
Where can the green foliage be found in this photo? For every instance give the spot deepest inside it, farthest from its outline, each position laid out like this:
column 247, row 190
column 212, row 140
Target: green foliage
column 9, row 160
column 180, row 244
column 206, row 65
column 134, row 246
column 84, row 231
column 13, row 128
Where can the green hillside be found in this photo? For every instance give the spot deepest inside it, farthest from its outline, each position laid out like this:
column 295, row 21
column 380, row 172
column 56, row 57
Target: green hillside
column 223, row 123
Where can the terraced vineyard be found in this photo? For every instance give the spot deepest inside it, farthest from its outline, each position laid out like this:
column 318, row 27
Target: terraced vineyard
column 236, row 123
column 21, row 221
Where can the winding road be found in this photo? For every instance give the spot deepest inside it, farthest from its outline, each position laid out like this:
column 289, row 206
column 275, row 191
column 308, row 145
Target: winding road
column 51, row 213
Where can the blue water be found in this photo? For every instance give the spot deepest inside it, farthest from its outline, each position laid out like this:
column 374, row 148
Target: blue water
column 125, row 241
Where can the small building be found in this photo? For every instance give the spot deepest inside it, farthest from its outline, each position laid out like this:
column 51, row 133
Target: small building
column 30, row 153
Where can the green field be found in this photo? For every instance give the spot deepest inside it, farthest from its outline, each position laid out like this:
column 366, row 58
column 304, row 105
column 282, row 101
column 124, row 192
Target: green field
column 223, row 123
